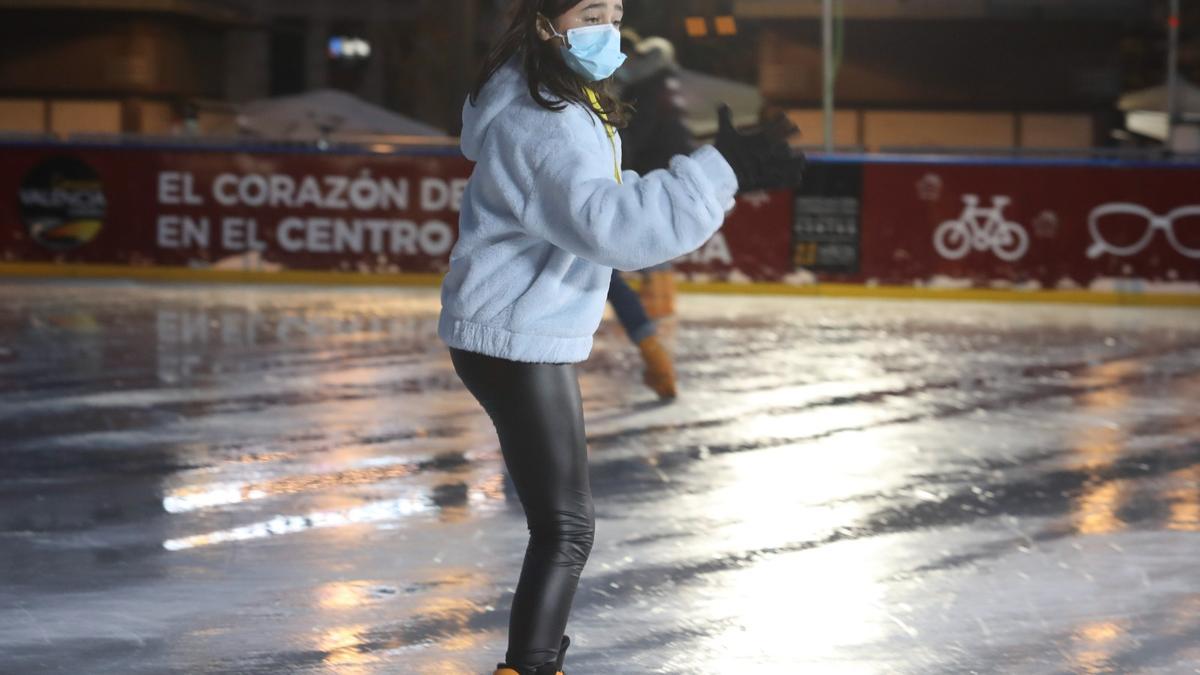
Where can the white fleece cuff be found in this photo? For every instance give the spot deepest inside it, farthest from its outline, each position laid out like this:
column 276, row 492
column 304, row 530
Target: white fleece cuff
column 719, row 173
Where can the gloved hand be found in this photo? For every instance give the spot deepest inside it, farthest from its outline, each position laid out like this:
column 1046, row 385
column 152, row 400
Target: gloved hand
column 761, row 158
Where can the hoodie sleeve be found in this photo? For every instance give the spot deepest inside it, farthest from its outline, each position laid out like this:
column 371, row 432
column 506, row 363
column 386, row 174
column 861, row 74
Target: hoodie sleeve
column 575, row 204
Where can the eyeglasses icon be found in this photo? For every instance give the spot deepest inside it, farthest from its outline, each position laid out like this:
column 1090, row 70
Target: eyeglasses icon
column 1153, row 222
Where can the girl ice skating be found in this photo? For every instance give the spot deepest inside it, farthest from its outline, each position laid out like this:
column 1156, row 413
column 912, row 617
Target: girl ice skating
column 546, row 216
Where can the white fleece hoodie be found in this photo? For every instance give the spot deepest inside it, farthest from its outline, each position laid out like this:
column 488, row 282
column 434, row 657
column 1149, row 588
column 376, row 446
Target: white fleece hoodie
column 543, row 223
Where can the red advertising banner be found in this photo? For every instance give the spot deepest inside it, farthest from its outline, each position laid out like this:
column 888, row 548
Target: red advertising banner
column 972, row 224
column 754, row 244
column 877, row 221
column 1031, row 225
column 312, row 211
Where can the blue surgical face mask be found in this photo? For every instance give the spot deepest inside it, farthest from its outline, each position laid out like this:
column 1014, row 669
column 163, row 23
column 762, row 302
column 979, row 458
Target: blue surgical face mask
column 594, row 51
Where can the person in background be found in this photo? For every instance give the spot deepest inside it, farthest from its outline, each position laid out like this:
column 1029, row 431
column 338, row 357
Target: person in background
column 653, row 135
column 649, row 80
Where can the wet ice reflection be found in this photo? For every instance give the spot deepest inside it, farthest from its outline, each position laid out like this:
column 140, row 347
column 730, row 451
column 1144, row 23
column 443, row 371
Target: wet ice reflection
column 292, row 480
column 286, row 524
column 385, row 511
column 1094, row 645
column 1182, row 495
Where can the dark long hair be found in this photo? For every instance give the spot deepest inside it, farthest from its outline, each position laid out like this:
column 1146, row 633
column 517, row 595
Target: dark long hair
column 544, row 67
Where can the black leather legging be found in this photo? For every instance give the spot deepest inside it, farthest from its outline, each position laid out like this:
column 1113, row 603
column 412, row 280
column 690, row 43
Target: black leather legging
column 538, row 414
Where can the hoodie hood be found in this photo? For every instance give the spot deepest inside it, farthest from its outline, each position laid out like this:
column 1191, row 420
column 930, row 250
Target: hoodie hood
column 505, row 86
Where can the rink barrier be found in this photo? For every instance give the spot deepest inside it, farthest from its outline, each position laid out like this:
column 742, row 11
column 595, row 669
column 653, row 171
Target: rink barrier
column 384, row 280
column 961, row 294
column 1108, row 231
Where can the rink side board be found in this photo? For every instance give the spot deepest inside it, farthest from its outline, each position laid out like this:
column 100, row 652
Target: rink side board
column 828, row 290
column 871, row 226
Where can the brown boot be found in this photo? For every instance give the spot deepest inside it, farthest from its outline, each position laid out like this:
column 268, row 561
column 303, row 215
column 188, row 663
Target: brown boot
column 658, row 293
column 660, row 374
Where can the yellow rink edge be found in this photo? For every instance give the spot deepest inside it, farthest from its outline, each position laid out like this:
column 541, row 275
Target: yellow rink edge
column 157, row 273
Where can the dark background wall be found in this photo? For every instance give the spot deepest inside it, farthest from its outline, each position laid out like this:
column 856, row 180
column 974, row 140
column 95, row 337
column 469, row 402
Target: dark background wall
column 426, row 52
column 962, row 64
column 112, row 54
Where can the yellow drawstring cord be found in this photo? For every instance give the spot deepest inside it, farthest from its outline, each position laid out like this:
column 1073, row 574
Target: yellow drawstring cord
column 608, row 128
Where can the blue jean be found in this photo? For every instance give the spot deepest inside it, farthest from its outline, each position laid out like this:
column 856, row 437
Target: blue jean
column 628, row 307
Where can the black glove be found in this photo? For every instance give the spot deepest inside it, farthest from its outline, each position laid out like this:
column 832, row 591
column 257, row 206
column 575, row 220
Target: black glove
column 761, row 158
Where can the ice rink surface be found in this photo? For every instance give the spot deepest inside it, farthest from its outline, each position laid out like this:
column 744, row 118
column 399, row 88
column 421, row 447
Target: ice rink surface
column 234, row 479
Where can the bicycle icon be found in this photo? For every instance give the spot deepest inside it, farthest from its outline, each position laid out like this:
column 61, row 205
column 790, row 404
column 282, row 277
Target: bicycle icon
column 981, row 229
column 1153, row 221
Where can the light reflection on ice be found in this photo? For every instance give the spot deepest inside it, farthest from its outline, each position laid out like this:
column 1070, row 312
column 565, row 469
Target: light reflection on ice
column 373, row 469
column 1096, row 510
column 1094, row 645
column 192, row 499
column 1184, row 501
column 343, row 648
column 374, row 512
column 818, row 603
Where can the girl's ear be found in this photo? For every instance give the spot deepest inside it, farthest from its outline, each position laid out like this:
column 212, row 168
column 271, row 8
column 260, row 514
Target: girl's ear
column 545, row 29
